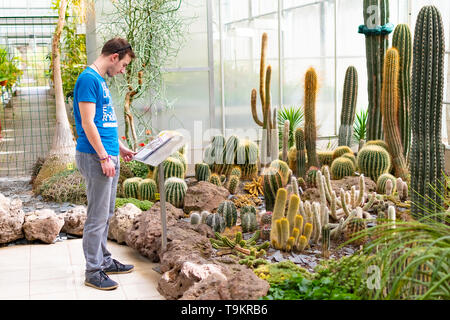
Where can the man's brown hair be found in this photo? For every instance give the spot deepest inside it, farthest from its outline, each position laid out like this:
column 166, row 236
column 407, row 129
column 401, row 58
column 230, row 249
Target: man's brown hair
column 118, row 45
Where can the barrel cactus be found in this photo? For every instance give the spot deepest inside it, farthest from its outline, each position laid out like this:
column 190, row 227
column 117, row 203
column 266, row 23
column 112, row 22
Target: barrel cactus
column 228, row 210
column 342, row 167
column 351, row 157
column 202, row 172
column 339, row 151
column 236, row 171
column 247, row 154
column 325, row 157
column 215, row 179
column 131, row 187
column 173, row 167
column 216, row 222
column 248, row 221
column 373, row 161
column 175, row 189
column 147, row 189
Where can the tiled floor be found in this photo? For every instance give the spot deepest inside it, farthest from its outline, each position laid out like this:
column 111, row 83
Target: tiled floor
column 56, row 271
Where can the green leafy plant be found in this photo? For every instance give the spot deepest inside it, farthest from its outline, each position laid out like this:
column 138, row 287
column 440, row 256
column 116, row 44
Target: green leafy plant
column 295, row 117
column 9, row 71
column 413, row 259
column 144, row 205
column 360, row 126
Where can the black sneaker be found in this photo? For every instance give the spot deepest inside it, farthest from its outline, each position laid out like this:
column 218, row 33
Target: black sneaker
column 101, row 281
column 117, row 267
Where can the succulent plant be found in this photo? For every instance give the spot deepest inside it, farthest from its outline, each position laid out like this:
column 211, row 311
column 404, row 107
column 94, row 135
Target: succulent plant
column 175, row 189
column 131, row 187
column 228, row 210
column 147, row 189
column 202, row 172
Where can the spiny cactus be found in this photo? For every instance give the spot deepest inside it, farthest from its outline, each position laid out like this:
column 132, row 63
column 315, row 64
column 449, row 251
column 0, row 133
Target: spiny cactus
column 311, row 89
column 381, row 183
column 401, row 40
column 427, row 150
column 233, row 184
column 180, row 156
column 175, row 189
column 377, row 41
column 131, row 187
column 173, row 167
column 380, row 143
column 204, row 215
column 311, row 175
column 326, row 241
column 373, row 161
column 195, row 218
column 236, row 171
column 247, row 154
column 215, row 179
column 284, row 170
column 342, row 167
column 228, row 210
column 325, row 157
column 300, row 153
column 272, row 181
column 147, row 189
column 230, row 150
column 216, row 222
column 223, row 178
column 389, row 111
column 349, row 99
column 266, row 218
column 351, row 157
column 285, row 140
column 202, row 172
column 339, row 151
column 354, row 226
column 292, row 158
column 248, row 221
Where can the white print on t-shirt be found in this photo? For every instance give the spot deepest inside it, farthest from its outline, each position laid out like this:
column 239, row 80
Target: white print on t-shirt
column 109, row 116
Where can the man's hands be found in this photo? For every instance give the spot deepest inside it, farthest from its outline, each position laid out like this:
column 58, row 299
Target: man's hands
column 126, row 154
column 108, row 167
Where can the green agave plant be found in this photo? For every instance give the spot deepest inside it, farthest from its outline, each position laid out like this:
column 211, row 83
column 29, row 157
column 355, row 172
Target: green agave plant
column 295, row 116
column 407, row 260
column 360, row 126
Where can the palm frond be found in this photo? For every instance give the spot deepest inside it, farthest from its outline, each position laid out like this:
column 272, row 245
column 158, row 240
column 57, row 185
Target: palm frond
column 360, row 126
column 295, row 116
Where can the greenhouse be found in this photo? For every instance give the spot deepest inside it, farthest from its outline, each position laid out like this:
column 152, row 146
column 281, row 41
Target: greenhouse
column 224, row 150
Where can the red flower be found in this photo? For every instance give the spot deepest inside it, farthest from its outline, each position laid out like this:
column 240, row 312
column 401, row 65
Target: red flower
column 124, row 138
column 142, row 144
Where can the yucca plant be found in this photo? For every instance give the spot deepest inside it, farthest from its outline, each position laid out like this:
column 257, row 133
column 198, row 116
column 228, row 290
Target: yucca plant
column 413, row 259
column 295, row 116
column 360, row 126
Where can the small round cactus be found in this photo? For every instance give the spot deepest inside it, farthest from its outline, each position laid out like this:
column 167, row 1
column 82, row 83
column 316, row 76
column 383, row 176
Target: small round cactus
column 131, row 187
column 381, row 183
column 342, row 167
column 373, row 161
column 176, row 189
column 215, row 179
column 339, row 151
column 147, row 189
column 202, row 172
column 195, row 218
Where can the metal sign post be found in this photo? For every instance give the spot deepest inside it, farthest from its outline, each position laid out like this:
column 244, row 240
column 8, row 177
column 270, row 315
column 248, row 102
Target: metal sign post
column 162, row 200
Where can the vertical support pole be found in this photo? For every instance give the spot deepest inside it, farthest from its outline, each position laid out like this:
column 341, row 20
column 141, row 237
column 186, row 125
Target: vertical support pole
column 162, row 199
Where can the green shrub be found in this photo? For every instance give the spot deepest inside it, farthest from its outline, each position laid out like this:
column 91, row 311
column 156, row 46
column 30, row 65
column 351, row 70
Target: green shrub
column 144, row 205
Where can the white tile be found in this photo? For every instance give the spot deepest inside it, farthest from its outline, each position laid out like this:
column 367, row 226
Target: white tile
column 138, row 291
column 51, row 272
column 52, row 285
column 88, row 293
column 15, row 290
column 143, row 276
column 65, row 295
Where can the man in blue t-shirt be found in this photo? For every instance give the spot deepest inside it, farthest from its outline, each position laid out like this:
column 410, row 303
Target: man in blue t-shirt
column 97, row 157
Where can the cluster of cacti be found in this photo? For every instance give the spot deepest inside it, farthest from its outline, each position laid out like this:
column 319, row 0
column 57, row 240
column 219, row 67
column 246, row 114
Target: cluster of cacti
column 202, row 172
column 389, row 111
column 175, row 189
column 147, row 189
column 342, row 167
column 339, row 151
column 402, row 189
column 373, row 161
column 376, row 30
column 228, row 211
column 349, row 98
column 247, row 247
column 284, row 170
column 269, row 141
column 382, row 183
column 325, row 157
column 427, row 150
column 216, row 222
column 288, row 232
column 311, row 87
column 401, row 40
column 198, row 218
column 252, row 261
column 215, row 179
column 233, row 184
column 300, row 156
column 272, row 181
column 247, row 154
column 248, row 219
column 131, row 187
column 173, row 167
column 255, row 188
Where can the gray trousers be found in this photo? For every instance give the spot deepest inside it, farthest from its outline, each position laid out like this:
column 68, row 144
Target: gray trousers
column 101, row 197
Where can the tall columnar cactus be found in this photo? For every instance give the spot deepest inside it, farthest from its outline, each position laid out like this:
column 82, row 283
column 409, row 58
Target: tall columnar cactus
column 264, row 92
column 131, row 187
column 175, row 189
column 401, row 40
column 342, row 167
column 373, row 161
column 228, row 210
column 427, row 151
column 147, row 189
column 389, row 110
column 272, row 181
column 285, row 140
column 300, row 155
column 247, row 154
column 172, row 168
column 376, row 28
column 310, row 117
column 349, row 99
column 202, row 172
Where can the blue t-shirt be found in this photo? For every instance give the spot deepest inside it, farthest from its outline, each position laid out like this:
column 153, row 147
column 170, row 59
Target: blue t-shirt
column 91, row 87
